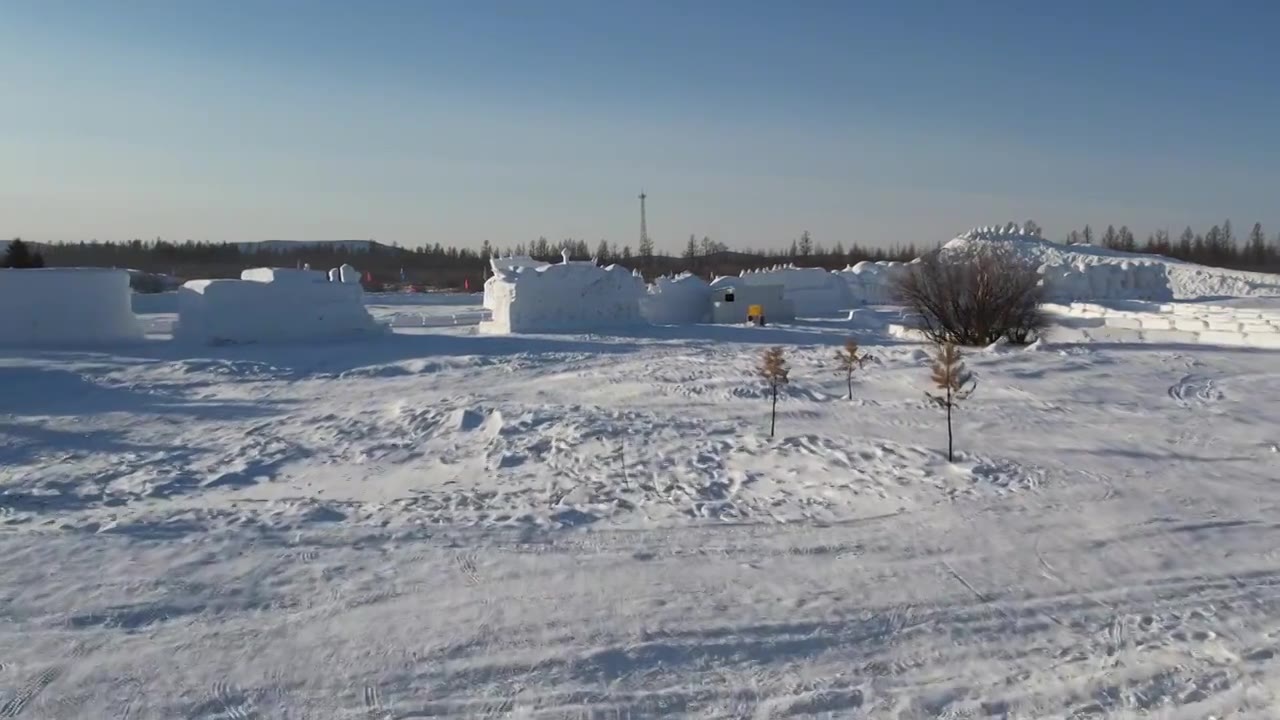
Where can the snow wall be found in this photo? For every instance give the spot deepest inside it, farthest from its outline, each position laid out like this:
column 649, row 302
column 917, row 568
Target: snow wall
column 500, row 265
column 871, row 283
column 679, row 300
column 66, row 306
column 271, row 304
column 563, row 297
column 1179, row 323
column 812, row 291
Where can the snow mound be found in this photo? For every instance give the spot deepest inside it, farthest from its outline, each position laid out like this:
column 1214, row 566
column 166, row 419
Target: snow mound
column 677, row 300
column 66, row 306
column 1087, row 272
column 562, row 297
column 271, row 304
column 811, row 291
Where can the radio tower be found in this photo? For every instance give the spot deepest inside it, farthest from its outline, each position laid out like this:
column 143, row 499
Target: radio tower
column 644, row 232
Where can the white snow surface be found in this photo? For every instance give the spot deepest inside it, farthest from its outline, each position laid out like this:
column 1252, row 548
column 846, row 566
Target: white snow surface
column 66, row 307
column 442, row 524
column 270, row 305
column 566, row 296
column 1087, row 272
column 682, row 299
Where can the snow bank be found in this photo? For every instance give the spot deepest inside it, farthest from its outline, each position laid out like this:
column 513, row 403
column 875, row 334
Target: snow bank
column 66, row 306
column 1087, row 272
column 812, row 291
column 565, row 296
column 271, row 304
column 679, row 300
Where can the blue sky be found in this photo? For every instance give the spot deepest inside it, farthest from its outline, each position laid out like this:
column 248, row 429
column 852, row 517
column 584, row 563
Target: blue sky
column 455, row 122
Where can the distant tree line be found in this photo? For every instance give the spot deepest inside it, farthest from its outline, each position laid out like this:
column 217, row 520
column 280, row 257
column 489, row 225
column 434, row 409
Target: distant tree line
column 1219, row 247
column 437, row 265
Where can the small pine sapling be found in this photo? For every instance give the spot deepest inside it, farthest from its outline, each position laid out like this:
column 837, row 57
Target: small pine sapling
column 774, row 370
column 955, row 383
column 850, row 359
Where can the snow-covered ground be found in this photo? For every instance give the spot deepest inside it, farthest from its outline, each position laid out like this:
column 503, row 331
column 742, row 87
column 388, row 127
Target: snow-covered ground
column 436, row 523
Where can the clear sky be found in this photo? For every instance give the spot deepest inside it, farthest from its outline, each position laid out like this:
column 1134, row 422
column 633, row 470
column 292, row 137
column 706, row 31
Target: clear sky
column 458, row 121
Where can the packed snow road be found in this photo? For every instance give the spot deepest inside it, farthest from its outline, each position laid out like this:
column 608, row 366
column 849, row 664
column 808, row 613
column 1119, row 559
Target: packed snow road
column 442, row 524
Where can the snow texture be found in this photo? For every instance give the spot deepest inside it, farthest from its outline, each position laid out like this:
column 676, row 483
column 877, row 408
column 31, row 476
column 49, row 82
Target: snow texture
column 66, row 306
column 440, row 524
column 563, row 297
column 679, row 300
column 271, row 304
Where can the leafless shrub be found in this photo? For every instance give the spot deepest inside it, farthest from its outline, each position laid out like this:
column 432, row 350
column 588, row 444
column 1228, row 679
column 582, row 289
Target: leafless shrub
column 974, row 297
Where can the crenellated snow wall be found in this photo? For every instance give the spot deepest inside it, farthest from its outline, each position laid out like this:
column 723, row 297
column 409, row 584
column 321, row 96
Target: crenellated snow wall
column 563, row 297
column 272, row 304
column 679, row 300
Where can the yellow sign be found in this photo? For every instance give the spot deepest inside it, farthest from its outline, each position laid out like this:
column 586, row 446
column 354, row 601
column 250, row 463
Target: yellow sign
column 755, row 311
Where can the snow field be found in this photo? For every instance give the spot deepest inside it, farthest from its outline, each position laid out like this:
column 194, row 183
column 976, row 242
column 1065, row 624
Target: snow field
column 457, row 525
column 52, row 307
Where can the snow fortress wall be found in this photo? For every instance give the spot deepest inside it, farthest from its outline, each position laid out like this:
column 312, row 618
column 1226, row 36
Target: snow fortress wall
column 562, row 297
column 871, row 283
column 1188, row 323
column 500, row 265
column 269, row 304
column 66, row 306
column 680, row 300
column 812, row 291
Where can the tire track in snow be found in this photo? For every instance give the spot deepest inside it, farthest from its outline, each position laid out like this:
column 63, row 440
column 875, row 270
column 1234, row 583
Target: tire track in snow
column 29, row 690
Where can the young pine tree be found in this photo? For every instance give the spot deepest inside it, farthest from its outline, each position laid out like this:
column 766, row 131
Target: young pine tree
column 850, row 359
column 774, row 370
column 954, row 382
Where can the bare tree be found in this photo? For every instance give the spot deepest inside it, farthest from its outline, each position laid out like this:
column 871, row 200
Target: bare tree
column 774, row 370
column 954, row 382
column 974, row 297
column 850, row 359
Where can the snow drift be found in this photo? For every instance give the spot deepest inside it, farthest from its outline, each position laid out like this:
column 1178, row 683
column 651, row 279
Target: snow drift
column 271, row 304
column 66, row 306
column 679, row 300
column 565, row 296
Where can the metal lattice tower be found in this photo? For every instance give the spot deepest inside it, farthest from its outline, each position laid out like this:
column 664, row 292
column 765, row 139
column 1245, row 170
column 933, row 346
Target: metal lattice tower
column 644, row 231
